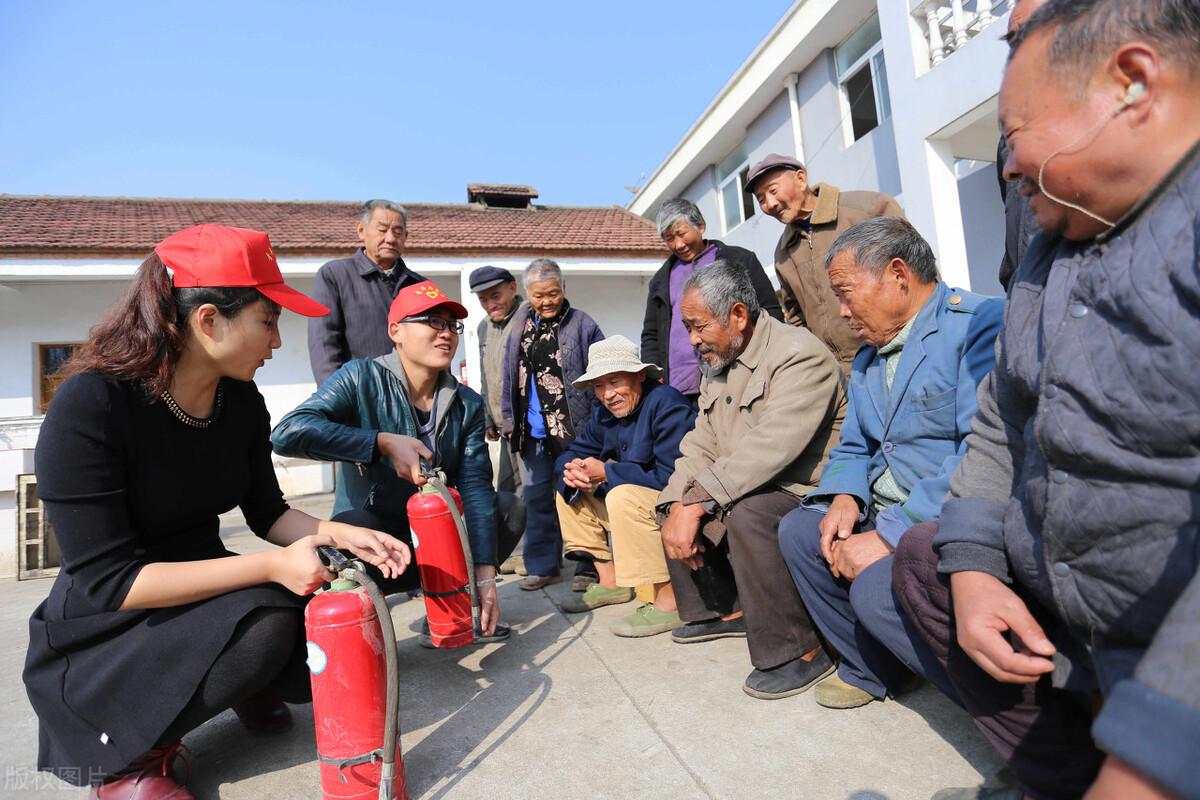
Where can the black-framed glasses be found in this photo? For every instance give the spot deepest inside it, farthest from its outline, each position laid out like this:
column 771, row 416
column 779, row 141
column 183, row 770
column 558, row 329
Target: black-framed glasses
column 438, row 323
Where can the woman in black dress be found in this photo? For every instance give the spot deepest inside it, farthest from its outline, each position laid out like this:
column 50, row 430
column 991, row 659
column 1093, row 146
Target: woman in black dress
column 152, row 626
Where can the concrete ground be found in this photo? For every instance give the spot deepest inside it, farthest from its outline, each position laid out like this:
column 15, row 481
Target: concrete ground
column 562, row 710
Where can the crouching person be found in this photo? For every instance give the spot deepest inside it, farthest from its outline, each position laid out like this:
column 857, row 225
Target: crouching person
column 911, row 400
column 609, row 481
column 381, row 416
column 770, row 404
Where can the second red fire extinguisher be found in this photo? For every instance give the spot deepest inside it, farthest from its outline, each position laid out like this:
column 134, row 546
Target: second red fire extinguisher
column 443, row 556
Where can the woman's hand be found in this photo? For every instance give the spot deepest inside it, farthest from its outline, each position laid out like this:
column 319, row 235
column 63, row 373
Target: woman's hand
column 385, row 551
column 489, row 605
column 297, row 567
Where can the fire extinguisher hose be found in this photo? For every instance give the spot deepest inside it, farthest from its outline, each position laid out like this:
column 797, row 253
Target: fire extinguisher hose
column 437, row 479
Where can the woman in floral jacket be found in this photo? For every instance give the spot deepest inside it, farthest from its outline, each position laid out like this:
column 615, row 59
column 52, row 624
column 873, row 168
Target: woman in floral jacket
column 545, row 352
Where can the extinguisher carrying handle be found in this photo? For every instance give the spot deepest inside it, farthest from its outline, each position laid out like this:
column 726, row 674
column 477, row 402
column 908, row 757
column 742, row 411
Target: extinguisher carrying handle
column 332, row 558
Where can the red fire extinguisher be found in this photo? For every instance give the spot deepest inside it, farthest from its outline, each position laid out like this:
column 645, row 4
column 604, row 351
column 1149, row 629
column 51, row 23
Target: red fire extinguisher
column 443, row 555
column 352, row 660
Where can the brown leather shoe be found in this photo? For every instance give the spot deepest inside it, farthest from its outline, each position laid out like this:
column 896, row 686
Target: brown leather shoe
column 264, row 713
column 147, row 778
column 534, row 582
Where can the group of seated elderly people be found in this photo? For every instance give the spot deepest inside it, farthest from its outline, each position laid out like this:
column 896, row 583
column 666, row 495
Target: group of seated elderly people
column 735, row 515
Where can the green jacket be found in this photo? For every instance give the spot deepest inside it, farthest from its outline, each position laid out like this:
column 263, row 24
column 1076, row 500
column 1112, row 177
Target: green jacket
column 364, row 397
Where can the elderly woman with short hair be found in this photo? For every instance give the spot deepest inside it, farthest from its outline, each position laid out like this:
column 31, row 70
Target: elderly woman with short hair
column 542, row 408
column 664, row 340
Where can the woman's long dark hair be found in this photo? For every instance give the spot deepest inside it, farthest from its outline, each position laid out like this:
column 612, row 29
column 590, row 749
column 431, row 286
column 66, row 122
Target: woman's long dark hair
column 144, row 334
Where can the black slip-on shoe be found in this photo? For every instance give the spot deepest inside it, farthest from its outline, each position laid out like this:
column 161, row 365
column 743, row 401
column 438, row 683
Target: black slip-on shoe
column 794, row 677
column 709, row 629
column 501, row 634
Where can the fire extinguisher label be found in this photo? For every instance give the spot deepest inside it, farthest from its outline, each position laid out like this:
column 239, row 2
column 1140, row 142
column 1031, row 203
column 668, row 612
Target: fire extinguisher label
column 416, row 542
column 317, row 660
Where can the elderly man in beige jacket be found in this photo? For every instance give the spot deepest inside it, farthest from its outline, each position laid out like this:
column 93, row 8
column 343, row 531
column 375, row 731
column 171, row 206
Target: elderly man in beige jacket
column 771, row 404
column 815, row 215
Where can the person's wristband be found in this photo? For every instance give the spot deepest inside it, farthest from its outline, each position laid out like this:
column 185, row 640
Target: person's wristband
column 485, row 582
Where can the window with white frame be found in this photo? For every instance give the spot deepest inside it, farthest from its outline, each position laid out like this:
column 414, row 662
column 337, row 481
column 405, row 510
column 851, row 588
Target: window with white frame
column 737, row 204
column 862, row 76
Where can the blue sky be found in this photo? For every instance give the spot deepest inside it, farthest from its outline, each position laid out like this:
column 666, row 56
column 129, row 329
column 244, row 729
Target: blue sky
column 343, row 101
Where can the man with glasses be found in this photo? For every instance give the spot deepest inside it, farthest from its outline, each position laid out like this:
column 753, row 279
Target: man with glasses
column 358, row 291
column 380, row 417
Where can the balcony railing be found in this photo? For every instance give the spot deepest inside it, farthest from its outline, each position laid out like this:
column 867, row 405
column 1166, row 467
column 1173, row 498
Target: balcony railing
column 950, row 24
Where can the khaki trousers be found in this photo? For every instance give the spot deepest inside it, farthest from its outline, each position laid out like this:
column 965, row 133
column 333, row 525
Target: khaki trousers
column 627, row 513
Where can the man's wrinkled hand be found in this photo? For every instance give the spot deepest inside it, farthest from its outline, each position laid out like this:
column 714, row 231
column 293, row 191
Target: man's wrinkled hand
column 680, row 533
column 492, row 433
column 838, row 523
column 575, row 476
column 594, row 469
column 985, row 610
column 853, row 555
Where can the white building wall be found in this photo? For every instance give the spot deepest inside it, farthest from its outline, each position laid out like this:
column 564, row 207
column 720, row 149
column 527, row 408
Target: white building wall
column 942, row 116
column 40, row 304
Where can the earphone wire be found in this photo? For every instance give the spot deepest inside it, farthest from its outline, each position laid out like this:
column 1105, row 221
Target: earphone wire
column 1135, row 91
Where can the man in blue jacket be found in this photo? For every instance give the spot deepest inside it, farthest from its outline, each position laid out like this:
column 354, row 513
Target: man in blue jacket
column 911, row 400
column 609, row 480
column 381, row 416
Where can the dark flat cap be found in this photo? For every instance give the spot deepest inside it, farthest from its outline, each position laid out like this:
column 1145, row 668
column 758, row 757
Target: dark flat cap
column 771, row 162
column 486, row 277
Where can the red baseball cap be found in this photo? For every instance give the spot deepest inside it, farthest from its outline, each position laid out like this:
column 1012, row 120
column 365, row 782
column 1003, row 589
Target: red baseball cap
column 421, row 297
column 218, row 256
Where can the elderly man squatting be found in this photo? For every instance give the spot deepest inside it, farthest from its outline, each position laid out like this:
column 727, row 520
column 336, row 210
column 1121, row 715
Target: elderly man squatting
column 1068, row 548
column 664, row 339
column 770, row 406
column 911, row 401
column 814, row 216
column 542, row 410
column 611, row 476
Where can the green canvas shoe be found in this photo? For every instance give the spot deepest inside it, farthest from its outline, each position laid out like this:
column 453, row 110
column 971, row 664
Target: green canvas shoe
column 594, row 597
column 833, row 692
column 646, row 621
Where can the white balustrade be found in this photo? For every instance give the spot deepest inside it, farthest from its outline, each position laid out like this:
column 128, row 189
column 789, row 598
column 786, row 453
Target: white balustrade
column 950, row 24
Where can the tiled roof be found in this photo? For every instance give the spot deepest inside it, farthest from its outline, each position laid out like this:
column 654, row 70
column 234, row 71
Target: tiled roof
column 109, row 226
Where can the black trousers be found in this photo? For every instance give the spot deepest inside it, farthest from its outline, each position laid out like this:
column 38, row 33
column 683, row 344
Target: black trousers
column 778, row 628
column 512, row 525
column 1043, row 733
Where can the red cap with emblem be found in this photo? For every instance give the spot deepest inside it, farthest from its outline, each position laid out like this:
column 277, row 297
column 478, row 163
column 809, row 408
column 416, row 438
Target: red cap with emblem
column 219, row 256
column 421, row 297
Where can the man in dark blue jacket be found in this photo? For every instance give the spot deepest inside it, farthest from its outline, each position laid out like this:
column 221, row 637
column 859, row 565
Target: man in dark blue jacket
column 1066, row 566
column 609, row 480
column 380, row 416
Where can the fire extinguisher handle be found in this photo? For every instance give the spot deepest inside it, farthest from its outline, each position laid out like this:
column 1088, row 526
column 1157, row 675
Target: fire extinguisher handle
column 332, row 558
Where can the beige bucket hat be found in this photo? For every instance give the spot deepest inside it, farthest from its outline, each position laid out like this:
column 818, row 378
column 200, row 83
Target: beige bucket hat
column 614, row 354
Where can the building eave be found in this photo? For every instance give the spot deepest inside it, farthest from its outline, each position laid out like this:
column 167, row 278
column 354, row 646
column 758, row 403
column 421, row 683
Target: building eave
column 807, row 28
